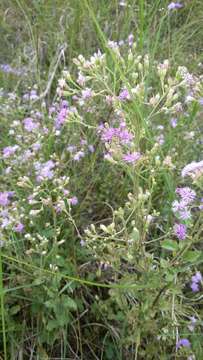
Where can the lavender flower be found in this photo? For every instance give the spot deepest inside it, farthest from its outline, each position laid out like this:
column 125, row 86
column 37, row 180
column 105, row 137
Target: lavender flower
column 184, row 343
column 73, row 200
column 194, row 169
column 79, row 155
column 9, row 151
column 124, row 95
column 131, row 157
column 45, row 171
column 188, row 195
column 19, row 228
column 174, row 5
column 180, row 231
column 174, row 122
column 5, row 198
column 30, row 125
column 196, row 280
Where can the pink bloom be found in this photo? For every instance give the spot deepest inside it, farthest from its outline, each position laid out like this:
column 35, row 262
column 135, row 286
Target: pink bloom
column 132, row 157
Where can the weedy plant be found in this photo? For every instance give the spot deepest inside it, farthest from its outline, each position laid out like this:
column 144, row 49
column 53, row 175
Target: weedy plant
column 101, row 205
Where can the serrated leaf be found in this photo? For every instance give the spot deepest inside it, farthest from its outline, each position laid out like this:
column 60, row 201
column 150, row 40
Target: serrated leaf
column 170, row 245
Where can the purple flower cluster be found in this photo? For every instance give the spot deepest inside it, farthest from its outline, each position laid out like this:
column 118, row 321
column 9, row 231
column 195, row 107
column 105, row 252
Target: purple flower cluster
column 30, row 125
column 121, row 134
column 182, row 210
column 62, row 115
column 9, row 151
column 44, row 171
column 124, row 95
column 131, row 157
column 196, row 281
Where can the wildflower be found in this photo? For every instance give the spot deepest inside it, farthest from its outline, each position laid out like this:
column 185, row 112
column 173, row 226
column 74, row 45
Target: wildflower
column 73, row 200
column 45, row 171
column 62, row 115
column 9, row 151
column 130, row 39
column 197, row 277
column 184, row 343
column 80, row 154
column 131, row 157
column 5, row 198
column 30, row 125
column 194, row 287
column 19, row 228
column 188, row 195
column 174, row 122
column 194, row 170
column 124, row 95
column 174, row 5
column 87, row 93
column 196, row 280
column 180, row 231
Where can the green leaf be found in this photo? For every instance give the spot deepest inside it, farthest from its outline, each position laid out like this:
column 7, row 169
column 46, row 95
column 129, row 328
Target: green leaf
column 170, row 245
column 191, row 256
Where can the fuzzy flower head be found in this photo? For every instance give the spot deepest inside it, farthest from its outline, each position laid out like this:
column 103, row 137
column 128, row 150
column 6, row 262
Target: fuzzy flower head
column 183, row 343
column 9, row 151
column 187, row 195
column 180, row 231
column 194, row 170
column 30, row 125
column 131, row 157
column 44, row 171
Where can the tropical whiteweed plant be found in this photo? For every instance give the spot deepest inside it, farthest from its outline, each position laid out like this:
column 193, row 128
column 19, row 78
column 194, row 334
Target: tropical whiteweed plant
column 93, row 194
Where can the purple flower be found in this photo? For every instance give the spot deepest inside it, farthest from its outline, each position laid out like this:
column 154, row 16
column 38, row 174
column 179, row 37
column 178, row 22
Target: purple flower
column 4, row 198
column 132, row 157
column 9, row 150
column 174, row 122
column 80, row 154
column 184, row 343
column 45, row 171
column 194, row 169
column 73, row 200
column 19, row 228
column 61, row 117
column 174, row 5
column 194, row 286
column 130, row 39
column 197, row 277
column 87, row 93
column 188, row 195
column 180, row 231
column 124, row 95
column 30, row 125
